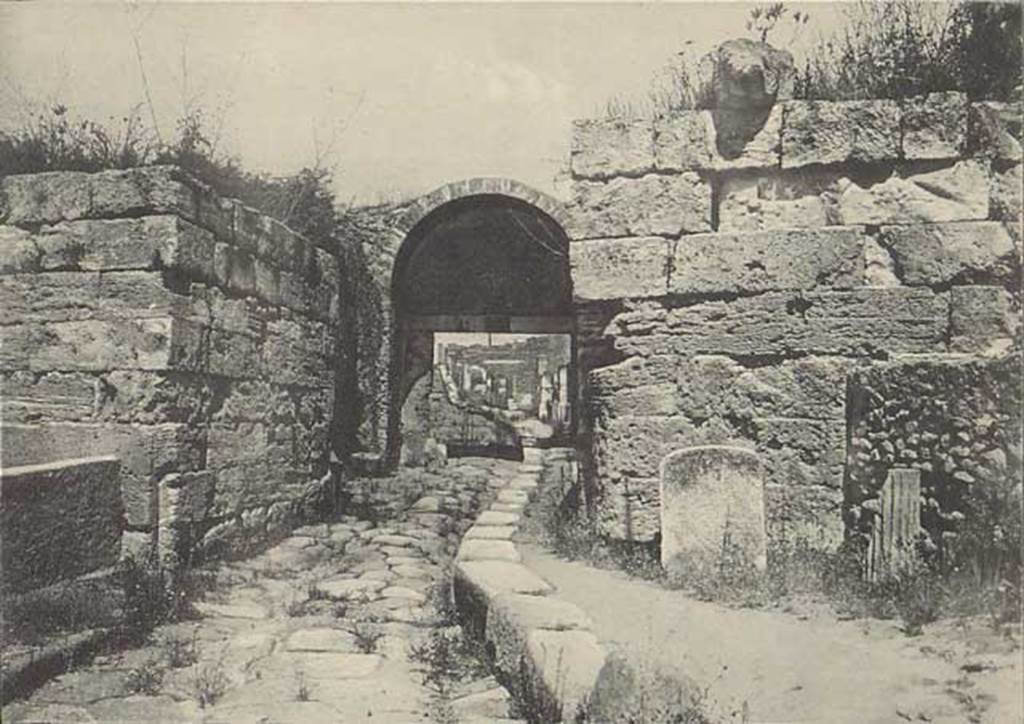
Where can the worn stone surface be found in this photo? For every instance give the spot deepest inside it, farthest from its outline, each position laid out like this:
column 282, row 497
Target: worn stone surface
column 964, row 253
column 934, row 126
column 646, row 206
column 606, row 148
column 59, row 520
column 787, row 200
column 712, row 506
column 953, row 193
column 619, row 268
column 994, row 130
column 856, row 322
column 981, row 319
column 756, row 262
column 749, row 74
column 827, row 132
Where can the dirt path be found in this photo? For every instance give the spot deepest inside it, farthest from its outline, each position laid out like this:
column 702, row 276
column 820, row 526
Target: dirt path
column 783, row 669
column 317, row 629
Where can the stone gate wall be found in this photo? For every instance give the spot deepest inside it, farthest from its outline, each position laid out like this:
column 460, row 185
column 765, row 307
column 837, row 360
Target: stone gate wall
column 724, row 294
column 190, row 336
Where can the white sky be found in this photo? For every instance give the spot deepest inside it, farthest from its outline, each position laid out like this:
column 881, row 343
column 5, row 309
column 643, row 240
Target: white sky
column 406, row 97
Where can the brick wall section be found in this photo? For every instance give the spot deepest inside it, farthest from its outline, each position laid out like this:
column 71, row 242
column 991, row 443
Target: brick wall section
column 190, row 336
column 727, row 299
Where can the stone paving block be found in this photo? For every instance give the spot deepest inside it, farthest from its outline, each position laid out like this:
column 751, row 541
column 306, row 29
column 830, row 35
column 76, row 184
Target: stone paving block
column 492, row 517
column 487, row 550
column 491, row 532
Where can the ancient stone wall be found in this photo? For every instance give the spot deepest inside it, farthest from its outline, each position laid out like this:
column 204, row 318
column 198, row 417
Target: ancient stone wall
column 726, row 290
column 189, row 336
column 957, row 419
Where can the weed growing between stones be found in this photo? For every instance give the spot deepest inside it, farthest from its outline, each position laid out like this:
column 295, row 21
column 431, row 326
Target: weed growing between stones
column 180, row 652
column 209, row 682
column 366, row 635
column 302, row 690
column 147, row 678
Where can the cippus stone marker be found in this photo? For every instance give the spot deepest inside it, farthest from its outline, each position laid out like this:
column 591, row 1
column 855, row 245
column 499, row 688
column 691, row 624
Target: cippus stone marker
column 712, row 510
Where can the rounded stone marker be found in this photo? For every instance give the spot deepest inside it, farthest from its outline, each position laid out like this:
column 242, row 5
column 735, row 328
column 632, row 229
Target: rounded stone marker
column 712, row 505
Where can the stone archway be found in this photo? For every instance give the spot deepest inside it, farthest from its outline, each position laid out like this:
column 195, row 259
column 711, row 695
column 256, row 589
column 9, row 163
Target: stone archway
column 486, row 255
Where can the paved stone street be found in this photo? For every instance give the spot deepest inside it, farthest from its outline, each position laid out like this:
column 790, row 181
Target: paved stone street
column 320, row 628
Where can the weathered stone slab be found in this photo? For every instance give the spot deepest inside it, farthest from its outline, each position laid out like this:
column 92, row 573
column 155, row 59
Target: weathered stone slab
column 563, row 666
column 347, row 589
column 160, row 343
column 321, row 640
column 619, row 268
column 935, row 125
column 59, row 520
column 488, row 550
column 712, row 505
column 980, row 319
column 939, row 254
column 827, row 132
column 797, row 198
column 609, row 147
column 46, row 198
column 994, row 130
column 684, row 141
column 765, row 261
column 490, row 532
column 652, row 205
column 493, row 517
column 150, row 242
column 1006, row 196
column 954, row 193
column 855, row 322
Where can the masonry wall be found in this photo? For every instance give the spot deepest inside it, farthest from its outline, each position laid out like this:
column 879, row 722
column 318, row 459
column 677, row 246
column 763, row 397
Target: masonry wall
column 726, row 295
column 190, row 336
column 958, row 420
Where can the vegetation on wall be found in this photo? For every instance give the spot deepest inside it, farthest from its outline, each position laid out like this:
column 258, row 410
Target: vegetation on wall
column 902, row 48
column 57, row 139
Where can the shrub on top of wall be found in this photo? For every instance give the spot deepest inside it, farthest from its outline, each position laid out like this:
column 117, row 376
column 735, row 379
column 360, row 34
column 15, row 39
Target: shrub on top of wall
column 57, row 140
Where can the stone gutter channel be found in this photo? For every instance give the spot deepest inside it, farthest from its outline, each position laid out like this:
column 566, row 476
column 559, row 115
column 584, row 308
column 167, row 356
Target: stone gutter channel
column 542, row 647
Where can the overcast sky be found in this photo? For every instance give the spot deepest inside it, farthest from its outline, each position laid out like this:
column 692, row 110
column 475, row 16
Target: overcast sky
column 405, row 97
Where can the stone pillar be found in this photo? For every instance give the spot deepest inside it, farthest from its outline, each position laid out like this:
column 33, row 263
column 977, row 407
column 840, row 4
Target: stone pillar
column 712, row 509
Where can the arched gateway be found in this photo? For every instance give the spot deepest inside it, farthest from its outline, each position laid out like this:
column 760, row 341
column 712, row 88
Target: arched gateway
column 486, row 255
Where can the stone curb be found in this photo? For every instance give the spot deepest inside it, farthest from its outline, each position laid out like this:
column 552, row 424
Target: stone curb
column 542, row 646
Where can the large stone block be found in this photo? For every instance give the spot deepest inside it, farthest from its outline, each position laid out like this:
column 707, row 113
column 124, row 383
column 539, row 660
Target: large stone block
column 619, row 268
column 857, row 322
column 46, row 198
column 685, row 141
column 142, row 396
column 633, row 445
column 1006, row 196
column 150, row 242
column 788, row 200
column 826, row 132
column 712, row 506
column 609, row 147
column 994, row 130
column 953, row 193
column 765, row 261
column 981, row 320
column 59, row 520
column 160, row 343
column 935, row 126
column 652, row 205
column 940, row 254
column 56, row 396
column 723, row 139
